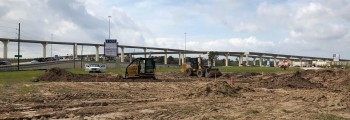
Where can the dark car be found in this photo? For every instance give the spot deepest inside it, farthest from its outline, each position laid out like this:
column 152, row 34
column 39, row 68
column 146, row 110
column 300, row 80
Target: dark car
column 5, row 63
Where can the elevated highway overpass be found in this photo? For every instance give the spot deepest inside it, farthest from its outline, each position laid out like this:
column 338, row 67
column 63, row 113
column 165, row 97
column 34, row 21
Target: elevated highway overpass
column 249, row 56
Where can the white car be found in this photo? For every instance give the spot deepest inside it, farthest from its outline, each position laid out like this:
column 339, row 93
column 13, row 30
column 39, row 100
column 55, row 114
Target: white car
column 34, row 61
column 95, row 67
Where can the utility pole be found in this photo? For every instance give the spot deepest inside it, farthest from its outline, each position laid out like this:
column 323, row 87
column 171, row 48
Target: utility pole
column 81, row 56
column 185, row 46
column 51, row 44
column 109, row 27
column 19, row 38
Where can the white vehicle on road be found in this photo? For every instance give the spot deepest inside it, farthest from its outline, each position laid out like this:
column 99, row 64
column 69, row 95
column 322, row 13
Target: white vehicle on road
column 95, row 67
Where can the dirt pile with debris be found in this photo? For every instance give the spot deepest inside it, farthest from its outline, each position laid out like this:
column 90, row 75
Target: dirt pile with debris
column 298, row 95
column 331, row 79
column 215, row 89
column 61, row 75
column 295, row 80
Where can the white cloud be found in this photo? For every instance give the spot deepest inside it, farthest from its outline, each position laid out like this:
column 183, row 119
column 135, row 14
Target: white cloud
column 317, row 22
column 245, row 27
column 293, row 27
column 273, row 11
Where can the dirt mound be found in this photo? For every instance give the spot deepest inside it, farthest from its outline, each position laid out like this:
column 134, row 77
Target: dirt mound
column 216, row 89
column 61, row 75
column 296, row 80
column 54, row 74
column 171, row 75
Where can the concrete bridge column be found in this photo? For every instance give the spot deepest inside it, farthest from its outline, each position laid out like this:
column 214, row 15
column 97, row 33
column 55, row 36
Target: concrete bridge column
column 165, row 57
column 199, row 59
column 122, row 54
column 275, row 61
column 75, row 50
column 226, row 60
column 5, row 42
column 44, row 49
column 254, row 61
column 183, row 59
column 145, row 50
column 247, row 59
column 179, row 58
column 240, row 61
column 260, row 60
column 97, row 56
column 301, row 62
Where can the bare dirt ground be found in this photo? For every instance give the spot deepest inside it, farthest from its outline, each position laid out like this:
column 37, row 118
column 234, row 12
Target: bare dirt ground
column 322, row 94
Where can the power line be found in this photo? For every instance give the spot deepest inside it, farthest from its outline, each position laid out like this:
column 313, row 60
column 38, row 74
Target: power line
column 7, row 27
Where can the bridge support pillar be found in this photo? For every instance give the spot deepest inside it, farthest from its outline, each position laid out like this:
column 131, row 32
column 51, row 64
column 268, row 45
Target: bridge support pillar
column 260, row 61
column 240, row 61
column 247, row 59
column 144, row 50
column 183, row 58
column 5, row 42
column 254, row 61
column 274, row 61
column 199, row 59
column 226, row 60
column 301, row 62
column 97, row 55
column 75, row 50
column 122, row 54
column 180, row 58
column 166, row 57
column 44, row 49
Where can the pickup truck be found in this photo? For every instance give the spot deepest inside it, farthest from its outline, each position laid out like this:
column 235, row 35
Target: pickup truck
column 95, row 67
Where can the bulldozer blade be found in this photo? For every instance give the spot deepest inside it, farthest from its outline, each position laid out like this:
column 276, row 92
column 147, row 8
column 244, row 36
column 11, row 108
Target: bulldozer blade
column 214, row 73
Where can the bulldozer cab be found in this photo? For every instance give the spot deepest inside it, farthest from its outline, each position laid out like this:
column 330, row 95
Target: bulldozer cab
column 141, row 68
column 149, row 66
column 193, row 62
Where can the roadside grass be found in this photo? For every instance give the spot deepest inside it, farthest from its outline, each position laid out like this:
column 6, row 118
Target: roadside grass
column 254, row 69
column 19, row 76
column 27, row 76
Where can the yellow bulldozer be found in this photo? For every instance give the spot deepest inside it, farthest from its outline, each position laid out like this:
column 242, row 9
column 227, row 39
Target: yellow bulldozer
column 141, row 68
column 195, row 66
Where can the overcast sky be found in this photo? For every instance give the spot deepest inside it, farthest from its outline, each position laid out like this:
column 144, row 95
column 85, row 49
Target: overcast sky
column 299, row 27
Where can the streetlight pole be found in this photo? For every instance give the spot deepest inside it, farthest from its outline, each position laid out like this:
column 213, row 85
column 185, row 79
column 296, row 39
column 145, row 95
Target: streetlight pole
column 185, row 45
column 51, row 44
column 109, row 27
column 19, row 42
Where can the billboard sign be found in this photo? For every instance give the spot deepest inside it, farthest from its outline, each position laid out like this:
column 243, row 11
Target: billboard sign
column 111, row 48
column 336, row 57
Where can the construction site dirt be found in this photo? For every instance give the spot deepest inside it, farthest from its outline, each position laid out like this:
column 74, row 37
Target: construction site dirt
column 59, row 94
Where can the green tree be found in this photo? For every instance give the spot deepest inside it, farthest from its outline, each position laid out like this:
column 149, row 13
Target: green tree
column 212, row 56
column 171, row 60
